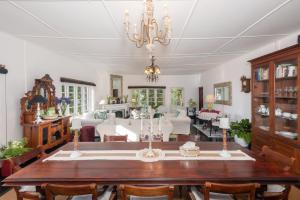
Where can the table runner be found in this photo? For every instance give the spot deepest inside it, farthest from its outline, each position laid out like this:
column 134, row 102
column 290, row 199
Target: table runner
column 132, row 155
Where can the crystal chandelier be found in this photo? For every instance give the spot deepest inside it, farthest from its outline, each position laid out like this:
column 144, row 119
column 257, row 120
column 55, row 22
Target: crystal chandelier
column 149, row 28
column 152, row 71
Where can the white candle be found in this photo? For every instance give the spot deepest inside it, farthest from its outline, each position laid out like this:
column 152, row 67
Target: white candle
column 159, row 124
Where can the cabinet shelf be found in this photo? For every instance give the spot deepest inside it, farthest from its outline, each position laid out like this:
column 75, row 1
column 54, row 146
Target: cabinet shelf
column 285, row 97
column 286, row 78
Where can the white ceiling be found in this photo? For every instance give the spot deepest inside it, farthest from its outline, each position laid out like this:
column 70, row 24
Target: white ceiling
column 205, row 32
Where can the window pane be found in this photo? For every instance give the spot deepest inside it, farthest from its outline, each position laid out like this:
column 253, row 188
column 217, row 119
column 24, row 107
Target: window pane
column 72, row 100
column 79, row 100
column 177, row 96
column 63, row 91
column 85, row 99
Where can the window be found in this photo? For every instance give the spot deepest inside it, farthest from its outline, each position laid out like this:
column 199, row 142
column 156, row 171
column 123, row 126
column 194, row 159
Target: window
column 177, row 96
column 153, row 97
column 80, row 98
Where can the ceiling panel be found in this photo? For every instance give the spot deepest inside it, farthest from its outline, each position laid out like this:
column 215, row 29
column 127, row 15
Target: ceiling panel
column 248, row 44
column 226, row 18
column 16, row 21
column 178, row 10
column 199, row 46
column 285, row 20
column 74, row 18
column 55, row 44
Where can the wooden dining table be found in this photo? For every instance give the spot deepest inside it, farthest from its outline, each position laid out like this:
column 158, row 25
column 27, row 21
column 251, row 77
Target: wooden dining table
column 175, row 172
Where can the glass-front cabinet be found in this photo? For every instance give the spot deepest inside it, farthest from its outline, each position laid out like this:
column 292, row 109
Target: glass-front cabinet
column 276, row 100
column 261, row 99
column 286, row 106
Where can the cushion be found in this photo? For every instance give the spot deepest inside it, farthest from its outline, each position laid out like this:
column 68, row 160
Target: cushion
column 213, row 196
column 275, row 188
column 100, row 115
column 104, row 196
column 149, row 198
column 28, row 188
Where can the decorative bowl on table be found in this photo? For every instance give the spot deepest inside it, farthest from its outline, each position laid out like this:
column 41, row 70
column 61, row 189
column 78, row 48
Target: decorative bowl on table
column 50, row 117
column 189, row 149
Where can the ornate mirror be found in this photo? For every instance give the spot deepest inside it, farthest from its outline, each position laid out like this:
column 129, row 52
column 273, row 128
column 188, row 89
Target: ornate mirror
column 116, row 86
column 223, row 93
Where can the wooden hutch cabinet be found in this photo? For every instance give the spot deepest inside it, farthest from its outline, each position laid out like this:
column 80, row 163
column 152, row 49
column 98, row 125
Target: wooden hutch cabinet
column 276, row 101
column 48, row 133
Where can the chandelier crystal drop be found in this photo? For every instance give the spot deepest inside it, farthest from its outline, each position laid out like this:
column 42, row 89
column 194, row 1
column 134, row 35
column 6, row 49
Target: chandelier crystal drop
column 149, row 28
column 152, row 71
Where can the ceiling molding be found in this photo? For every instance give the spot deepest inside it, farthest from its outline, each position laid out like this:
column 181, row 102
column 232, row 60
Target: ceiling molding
column 111, row 17
column 34, row 17
column 254, row 24
column 186, row 23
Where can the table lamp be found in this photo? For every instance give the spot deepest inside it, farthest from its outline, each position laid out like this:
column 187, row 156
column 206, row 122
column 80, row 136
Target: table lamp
column 210, row 100
column 76, row 126
column 102, row 103
column 224, row 124
column 38, row 99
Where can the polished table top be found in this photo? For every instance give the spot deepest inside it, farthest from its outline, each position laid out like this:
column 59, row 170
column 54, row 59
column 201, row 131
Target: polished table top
column 161, row 172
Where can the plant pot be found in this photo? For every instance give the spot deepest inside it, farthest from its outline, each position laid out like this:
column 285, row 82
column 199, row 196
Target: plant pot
column 240, row 141
column 6, row 166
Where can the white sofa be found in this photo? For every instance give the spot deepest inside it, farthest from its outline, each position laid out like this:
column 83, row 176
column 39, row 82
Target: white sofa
column 88, row 119
column 181, row 122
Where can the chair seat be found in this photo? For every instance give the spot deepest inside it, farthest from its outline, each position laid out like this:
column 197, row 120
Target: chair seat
column 28, row 188
column 105, row 196
column 275, row 188
column 149, row 198
column 213, row 196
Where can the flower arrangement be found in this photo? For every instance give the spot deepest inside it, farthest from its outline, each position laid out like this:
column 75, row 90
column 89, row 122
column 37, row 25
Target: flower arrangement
column 14, row 149
column 63, row 102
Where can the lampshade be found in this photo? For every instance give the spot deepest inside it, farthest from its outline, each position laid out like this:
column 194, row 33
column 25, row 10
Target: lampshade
column 3, row 70
column 210, row 98
column 76, row 124
column 38, row 99
column 224, row 123
column 102, row 102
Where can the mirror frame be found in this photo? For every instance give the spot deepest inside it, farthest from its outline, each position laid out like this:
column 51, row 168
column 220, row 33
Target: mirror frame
column 224, row 84
column 111, row 84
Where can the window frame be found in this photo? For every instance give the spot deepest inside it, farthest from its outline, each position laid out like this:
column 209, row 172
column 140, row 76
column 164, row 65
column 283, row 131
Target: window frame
column 156, row 102
column 85, row 101
column 177, row 88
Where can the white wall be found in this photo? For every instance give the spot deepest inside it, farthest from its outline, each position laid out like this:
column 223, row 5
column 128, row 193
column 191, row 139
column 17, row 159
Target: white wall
column 233, row 70
column 25, row 62
column 190, row 83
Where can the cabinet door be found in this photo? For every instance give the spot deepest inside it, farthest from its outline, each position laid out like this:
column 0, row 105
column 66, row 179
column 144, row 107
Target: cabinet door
column 286, row 115
column 261, row 97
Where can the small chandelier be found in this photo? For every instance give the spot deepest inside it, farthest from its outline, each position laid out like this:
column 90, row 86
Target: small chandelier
column 149, row 28
column 152, row 71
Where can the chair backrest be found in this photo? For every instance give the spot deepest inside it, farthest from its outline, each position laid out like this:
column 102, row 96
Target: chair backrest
column 182, row 138
column 157, row 191
column 248, row 189
column 115, row 138
column 283, row 161
column 87, row 134
column 52, row 190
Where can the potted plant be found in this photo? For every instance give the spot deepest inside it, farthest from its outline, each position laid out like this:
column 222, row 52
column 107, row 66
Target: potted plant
column 15, row 149
column 241, row 131
column 192, row 103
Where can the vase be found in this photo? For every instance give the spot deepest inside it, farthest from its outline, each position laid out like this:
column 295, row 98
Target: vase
column 240, row 141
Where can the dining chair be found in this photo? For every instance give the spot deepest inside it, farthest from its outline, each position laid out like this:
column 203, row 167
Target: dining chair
column 78, row 192
column 115, row 138
column 273, row 191
column 27, row 191
column 218, row 191
column 146, row 193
